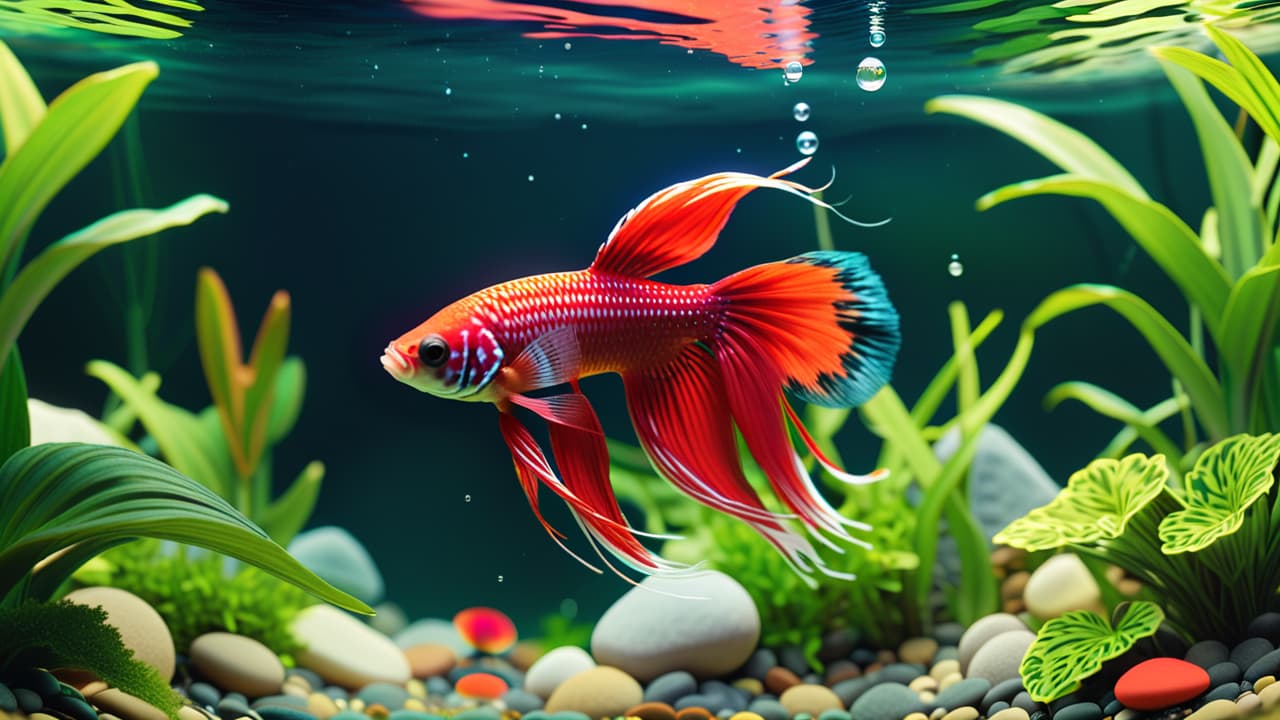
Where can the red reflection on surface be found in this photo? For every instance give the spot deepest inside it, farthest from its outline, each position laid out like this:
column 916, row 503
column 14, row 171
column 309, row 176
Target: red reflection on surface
column 752, row 33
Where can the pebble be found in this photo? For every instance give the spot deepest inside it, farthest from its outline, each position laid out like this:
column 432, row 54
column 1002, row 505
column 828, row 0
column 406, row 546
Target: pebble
column 231, row 708
column 481, row 685
column 982, row 631
column 289, row 701
column 1266, row 625
column 901, row 673
column 841, row 670
column 850, row 690
column 237, row 663
column 1224, row 691
column 281, row 712
column 73, row 707
column 760, row 662
column 1248, row 703
column 837, row 644
column 479, row 713
column 652, row 711
column 1002, row 691
column 889, row 701
column 1223, row 672
column 965, row 692
column 1061, row 584
column 336, row 556
column 670, row 687
column 1216, row 710
column 141, row 628
column 949, row 680
column 965, row 712
column 944, row 668
column 918, row 650
column 924, row 683
column 190, row 712
column 28, row 701
column 998, row 659
column 321, row 705
column 1249, row 651
column 1263, row 682
column 812, row 699
column 779, row 679
column 693, row 713
column 1160, row 683
column 427, row 659
column 750, row 686
column 1207, row 653
column 8, row 703
column 1079, row 711
column 599, row 691
column 1269, row 696
column 793, row 658
column 345, row 651
column 388, row 695
column 521, row 701
column 769, row 709
column 646, row 633
column 1011, row 713
column 1268, row 664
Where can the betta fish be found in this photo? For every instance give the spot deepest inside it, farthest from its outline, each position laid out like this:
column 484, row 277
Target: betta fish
column 697, row 361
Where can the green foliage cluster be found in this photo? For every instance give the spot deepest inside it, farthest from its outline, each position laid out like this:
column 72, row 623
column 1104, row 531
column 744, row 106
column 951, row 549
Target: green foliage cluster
column 65, row 634
column 197, row 593
column 227, row 447
column 112, row 17
column 1229, row 272
column 1203, row 548
column 1074, row 646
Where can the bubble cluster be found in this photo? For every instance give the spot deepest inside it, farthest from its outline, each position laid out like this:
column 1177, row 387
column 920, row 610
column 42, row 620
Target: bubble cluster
column 876, row 11
column 955, row 268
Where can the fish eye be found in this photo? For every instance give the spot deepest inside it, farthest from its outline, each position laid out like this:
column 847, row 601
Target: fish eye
column 433, row 351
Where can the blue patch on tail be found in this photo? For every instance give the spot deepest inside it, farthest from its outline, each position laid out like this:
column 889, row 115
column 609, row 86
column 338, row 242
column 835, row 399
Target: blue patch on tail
column 872, row 319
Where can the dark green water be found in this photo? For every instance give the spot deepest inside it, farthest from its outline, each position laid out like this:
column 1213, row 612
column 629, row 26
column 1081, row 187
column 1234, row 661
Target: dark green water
column 375, row 198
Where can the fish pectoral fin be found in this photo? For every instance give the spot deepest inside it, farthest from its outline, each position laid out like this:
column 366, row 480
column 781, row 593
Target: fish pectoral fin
column 569, row 409
column 553, row 358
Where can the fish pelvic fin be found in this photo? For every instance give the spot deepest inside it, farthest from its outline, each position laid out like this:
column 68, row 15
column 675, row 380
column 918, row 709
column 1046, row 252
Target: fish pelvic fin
column 679, row 224
column 681, row 413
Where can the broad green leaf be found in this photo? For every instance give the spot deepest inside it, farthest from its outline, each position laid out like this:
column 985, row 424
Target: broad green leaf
column 1228, row 478
column 285, row 517
column 60, row 495
column 21, row 107
column 1108, row 404
column 1171, row 244
column 264, row 364
column 1261, row 82
column 35, row 281
column 1074, row 646
column 111, row 17
column 1248, row 331
column 1228, row 80
column 1178, row 356
column 15, row 420
column 291, row 388
column 179, row 434
column 77, row 126
column 1097, row 504
column 1228, row 170
column 1065, row 147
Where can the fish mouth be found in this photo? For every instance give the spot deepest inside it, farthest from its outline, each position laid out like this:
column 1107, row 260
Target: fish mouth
column 394, row 362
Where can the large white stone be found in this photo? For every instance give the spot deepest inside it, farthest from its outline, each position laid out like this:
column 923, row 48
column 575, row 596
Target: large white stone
column 981, row 631
column 1060, row 585
column 549, row 671
column 50, row 423
column 345, row 651
column 705, row 624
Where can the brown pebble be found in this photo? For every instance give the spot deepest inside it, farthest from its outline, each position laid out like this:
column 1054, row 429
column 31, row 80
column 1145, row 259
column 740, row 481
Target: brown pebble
column 841, row 670
column 811, row 699
column 1113, row 573
column 872, row 668
column 886, row 657
column 1013, row 585
column 1013, row 606
column 1007, row 557
column 377, row 710
column 118, row 702
column 918, row 650
column 430, row 659
column 694, row 713
column 652, row 711
column 778, row 679
column 964, row 712
column 751, row 685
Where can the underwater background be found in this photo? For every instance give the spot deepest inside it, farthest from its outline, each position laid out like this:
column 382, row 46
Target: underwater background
column 382, row 159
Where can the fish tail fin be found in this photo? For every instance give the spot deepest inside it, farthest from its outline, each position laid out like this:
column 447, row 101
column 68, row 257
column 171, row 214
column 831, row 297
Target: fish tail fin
column 821, row 326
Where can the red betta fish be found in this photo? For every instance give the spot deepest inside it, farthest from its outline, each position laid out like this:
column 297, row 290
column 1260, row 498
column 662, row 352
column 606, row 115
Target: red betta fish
column 695, row 360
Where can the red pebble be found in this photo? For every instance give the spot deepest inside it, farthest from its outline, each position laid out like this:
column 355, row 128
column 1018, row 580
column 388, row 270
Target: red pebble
column 1160, row 683
column 481, row 686
column 487, row 630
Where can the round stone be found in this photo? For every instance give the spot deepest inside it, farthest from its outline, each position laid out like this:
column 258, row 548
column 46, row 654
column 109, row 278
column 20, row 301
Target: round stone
column 521, row 701
column 1217, row 710
column 1268, row 664
column 1160, row 683
column 141, row 627
column 706, row 624
column 599, row 691
column 1011, row 713
column 1223, row 672
column 981, row 631
column 429, row 659
column 237, row 663
column 1249, row 651
column 652, row 711
column 919, row 650
column 385, row 694
column 1001, row 692
column 1079, row 711
column 345, row 651
column 964, row 712
column 779, row 678
column 999, row 658
column 1060, row 585
column 1207, row 653
column 670, row 687
column 769, row 709
column 812, row 699
column 321, row 705
column 1266, row 625
column 967, row 692
column 889, row 701
column 549, row 671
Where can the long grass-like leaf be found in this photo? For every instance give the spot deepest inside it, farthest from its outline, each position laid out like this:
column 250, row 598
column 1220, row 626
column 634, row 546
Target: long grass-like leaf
column 1175, row 247
column 1178, row 356
column 21, row 107
column 1153, row 416
column 1228, row 80
column 1108, row 404
column 57, row 495
column 1262, row 83
column 15, row 420
column 77, row 126
column 286, row 405
column 43, row 273
column 1248, row 334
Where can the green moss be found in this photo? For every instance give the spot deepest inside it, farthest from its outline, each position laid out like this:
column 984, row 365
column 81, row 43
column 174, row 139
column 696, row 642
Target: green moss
column 64, row 634
column 195, row 595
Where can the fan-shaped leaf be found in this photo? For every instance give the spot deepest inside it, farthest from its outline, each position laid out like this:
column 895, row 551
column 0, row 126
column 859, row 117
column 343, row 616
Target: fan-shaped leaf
column 1226, row 480
column 1072, row 647
column 1097, row 503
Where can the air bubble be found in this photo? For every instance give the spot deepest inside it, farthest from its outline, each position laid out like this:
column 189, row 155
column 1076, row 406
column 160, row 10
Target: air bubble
column 499, row 578
column 877, row 38
column 530, row 178
column 568, row 46
column 871, row 74
column 807, row 143
column 955, row 268
column 801, row 111
column 793, row 72
column 467, row 497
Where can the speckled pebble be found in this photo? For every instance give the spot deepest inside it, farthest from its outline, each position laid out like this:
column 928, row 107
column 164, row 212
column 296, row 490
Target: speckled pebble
column 813, row 699
column 965, row 712
column 1011, row 713
column 889, row 701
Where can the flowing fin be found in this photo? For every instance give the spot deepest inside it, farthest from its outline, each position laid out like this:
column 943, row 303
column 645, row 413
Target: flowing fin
column 835, row 470
column 681, row 415
column 553, row 358
column 680, row 223
column 570, row 409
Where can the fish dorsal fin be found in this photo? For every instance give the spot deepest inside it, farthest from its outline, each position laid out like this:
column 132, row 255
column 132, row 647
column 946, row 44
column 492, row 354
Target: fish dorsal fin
column 553, row 358
column 677, row 225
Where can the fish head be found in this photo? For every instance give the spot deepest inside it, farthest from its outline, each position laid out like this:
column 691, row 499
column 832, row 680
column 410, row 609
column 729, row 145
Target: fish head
column 454, row 354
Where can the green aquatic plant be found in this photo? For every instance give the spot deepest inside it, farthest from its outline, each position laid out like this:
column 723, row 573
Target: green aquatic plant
column 227, row 446
column 197, row 593
column 64, row 634
column 1072, row 647
column 1201, row 547
column 112, row 17
column 1229, row 273
column 45, row 147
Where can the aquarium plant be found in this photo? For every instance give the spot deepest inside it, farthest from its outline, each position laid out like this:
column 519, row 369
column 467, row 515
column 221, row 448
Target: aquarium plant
column 1227, row 368
column 133, row 18
column 1074, row 646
